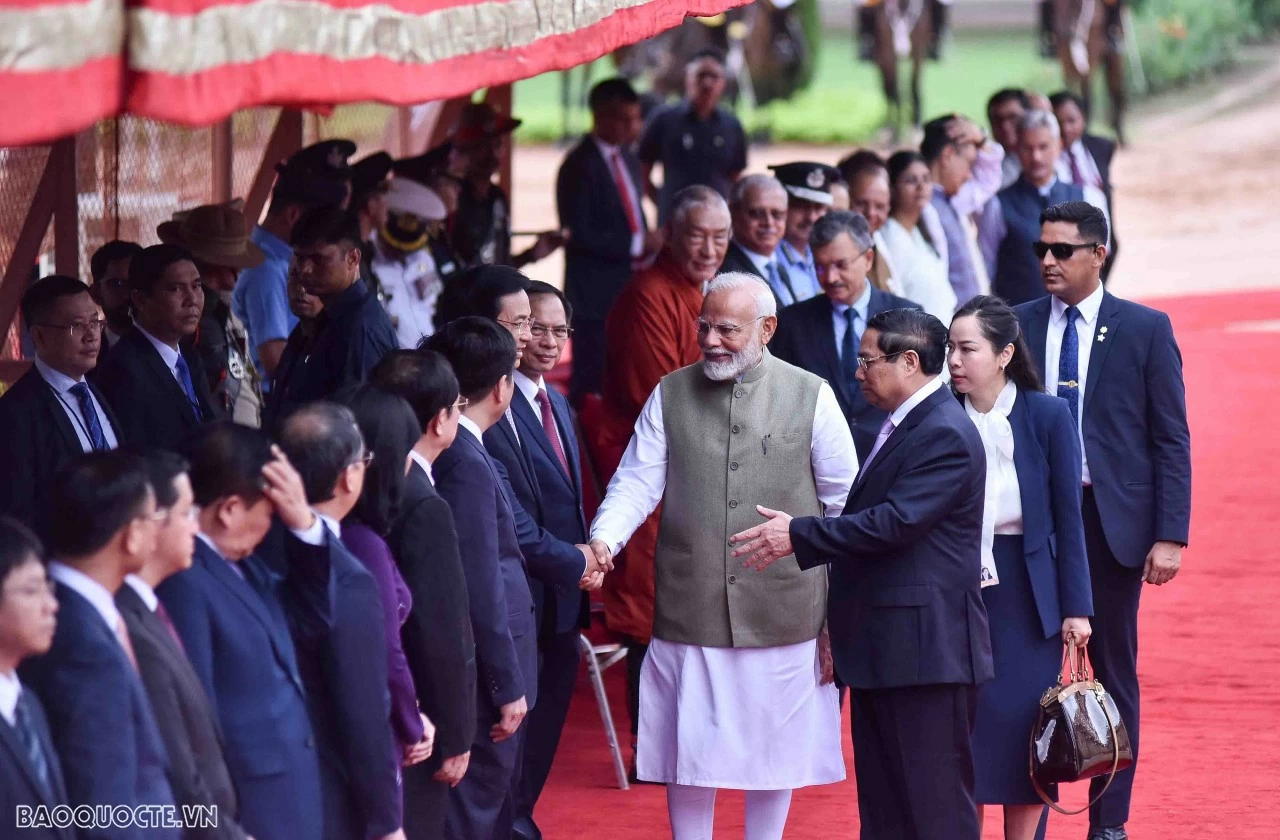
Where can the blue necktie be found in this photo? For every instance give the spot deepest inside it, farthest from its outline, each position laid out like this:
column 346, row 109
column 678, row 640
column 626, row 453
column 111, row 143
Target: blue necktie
column 775, row 281
column 24, row 730
column 849, row 350
column 184, row 379
column 1069, row 365
column 93, row 427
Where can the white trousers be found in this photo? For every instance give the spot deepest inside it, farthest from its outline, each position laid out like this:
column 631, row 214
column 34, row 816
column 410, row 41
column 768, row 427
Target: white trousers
column 693, row 810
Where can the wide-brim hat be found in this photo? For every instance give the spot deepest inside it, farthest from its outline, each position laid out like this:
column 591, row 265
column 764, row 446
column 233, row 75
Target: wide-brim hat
column 216, row 234
column 481, row 121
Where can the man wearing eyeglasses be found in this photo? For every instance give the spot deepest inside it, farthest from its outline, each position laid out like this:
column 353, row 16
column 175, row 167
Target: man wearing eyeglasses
column 758, row 208
column 53, row 414
column 735, row 691
column 1118, row 366
column 109, row 266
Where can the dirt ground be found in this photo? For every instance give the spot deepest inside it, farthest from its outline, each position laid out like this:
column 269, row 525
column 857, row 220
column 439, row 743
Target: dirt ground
column 1195, row 191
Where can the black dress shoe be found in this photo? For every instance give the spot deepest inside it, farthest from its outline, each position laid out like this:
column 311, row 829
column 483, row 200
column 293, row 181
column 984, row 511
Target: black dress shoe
column 524, row 828
column 1115, row 832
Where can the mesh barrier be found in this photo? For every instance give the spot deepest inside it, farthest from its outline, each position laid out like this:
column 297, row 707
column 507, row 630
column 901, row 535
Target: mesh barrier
column 20, row 171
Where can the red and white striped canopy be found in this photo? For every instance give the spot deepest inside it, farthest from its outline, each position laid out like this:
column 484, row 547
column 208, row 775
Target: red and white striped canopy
column 65, row 64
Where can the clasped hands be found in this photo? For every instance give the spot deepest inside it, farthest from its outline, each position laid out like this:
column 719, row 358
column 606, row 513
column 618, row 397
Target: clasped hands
column 599, row 562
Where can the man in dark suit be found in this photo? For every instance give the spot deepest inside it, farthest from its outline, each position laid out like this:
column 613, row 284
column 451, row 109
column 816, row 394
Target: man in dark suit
column 822, row 334
column 353, row 331
column 192, row 738
column 908, row 627
column 598, row 194
column 230, row 614
column 1118, row 366
column 111, row 749
column 28, row 762
column 343, row 661
column 438, row 642
column 159, row 391
column 483, row 355
column 758, row 208
column 52, row 413
column 109, row 267
column 1086, row 160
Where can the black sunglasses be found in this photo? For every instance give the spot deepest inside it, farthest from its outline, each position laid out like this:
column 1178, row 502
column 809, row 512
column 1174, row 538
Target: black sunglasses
column 1060, row 250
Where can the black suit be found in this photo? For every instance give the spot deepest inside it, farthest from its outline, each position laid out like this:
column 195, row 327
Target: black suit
column 21, row 786
column 438, row 645
column 597, row 257
column 908, row 626
column 153, row 409
column 806, row 338
column 198, row 770
column 736, row 259
column 1102, row 151
column 36, row 438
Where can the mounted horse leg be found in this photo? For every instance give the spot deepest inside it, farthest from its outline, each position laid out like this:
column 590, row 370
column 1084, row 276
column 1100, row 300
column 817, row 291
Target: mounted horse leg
column 566, row 96
column 1119, row 96
column 917, row 110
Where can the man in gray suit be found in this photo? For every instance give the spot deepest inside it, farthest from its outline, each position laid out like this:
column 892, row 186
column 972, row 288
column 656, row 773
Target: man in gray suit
column 197, row 768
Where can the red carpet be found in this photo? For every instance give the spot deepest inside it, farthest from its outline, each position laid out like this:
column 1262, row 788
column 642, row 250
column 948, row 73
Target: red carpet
column 1210, row 654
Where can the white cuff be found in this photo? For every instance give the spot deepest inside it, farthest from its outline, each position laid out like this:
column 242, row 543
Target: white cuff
column 313, row 535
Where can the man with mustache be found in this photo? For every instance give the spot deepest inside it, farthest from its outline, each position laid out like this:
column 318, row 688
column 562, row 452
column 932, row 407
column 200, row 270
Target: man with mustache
column 732, row 650
column 809, row 198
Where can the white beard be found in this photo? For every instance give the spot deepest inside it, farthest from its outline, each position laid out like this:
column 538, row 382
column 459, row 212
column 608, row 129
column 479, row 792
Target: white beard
column 728, row 369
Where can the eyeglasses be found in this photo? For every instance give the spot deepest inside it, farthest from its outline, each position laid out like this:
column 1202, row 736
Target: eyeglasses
column 1060, row 250
column 865, row 363
column 841, row 265
column 722, row 330
column 764, row 214
column 77, row 330
column 542, row 331
column 163, row 514
column 461, row 403
column 519, row 325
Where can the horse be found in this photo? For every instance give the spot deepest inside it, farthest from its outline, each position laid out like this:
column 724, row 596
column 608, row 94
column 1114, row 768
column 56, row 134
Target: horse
column 903, row 29
column 1084, row 45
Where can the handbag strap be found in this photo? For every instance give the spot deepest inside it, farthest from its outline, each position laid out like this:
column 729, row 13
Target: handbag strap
column 1111, row 777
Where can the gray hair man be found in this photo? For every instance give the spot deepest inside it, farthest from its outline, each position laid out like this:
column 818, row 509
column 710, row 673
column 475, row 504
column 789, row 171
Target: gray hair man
column 758, row 205
column 1006, row 236
column 714, row 438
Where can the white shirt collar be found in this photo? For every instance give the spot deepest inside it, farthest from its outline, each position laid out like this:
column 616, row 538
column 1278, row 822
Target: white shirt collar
column 529, row 387
column 758, row 260
column 334, row 526
column 926, row 391
column 1088, row 307
column 169, row 354
column 1047, row 188
column 1077, row 148
column 10, row 690
column 420, row 460
column 89, row 589
column 606, row 149
column 144, row 590
column 1004, row 401
column 57, row 380
column 470, row 425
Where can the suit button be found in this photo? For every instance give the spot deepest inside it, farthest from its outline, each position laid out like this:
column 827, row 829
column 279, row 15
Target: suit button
column 738, row 393
column 734, row 465
column 733, row 578
column 736, row 428
column 733, row 503
column 311, row 743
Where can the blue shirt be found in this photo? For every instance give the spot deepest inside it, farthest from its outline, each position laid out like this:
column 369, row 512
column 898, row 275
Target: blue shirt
column 261, row 297
column 861, row 305
column 800, row 270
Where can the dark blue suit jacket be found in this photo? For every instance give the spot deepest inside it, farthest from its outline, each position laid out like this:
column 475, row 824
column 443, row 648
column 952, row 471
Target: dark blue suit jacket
column 342, row 659
column 548, row 509
column 1017, row 278
column 100, row 717
column 597, row 257
column 502, row 617
column 1046, row 455
column 21, row 786
column 806, row 338
column 904, row 606
column 1135, row 424
column 237, row 637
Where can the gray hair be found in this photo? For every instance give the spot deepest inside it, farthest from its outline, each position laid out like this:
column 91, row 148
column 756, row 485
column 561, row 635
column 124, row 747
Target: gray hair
column 749, row 183
column 689, row 198
column 1033, row 120
column 766, row 303
column 831, row 225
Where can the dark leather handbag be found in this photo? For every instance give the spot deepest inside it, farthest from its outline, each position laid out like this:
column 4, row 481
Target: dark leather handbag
column 1079, row 733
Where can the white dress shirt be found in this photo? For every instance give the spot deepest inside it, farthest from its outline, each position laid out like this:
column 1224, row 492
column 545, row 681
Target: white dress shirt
column 420, row 460
column 10, row 691
column 471, row 426
column 762, row 263
column 143, row 590
column 926, row 390
column 167, row 353
column 1002, row 508
column 334, row 526
column 641, row 479
column 1086, row 326
column 530, row 389
column 921, row 269
column 882, row 253
column 62, row 385
column 860, row 306
column 608, row 152
column 1084, row 161
column 89, row 589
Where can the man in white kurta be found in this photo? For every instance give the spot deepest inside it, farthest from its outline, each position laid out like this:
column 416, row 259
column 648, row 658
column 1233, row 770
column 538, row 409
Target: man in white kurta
column 732, row 691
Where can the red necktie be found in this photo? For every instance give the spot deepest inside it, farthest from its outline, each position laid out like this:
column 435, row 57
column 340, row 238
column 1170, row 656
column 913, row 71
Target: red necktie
column 163, row 615
column 549, row 426
column 620, row 179
column 1076, row 175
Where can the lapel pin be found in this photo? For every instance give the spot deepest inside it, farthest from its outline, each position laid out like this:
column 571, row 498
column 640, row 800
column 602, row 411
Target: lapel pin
column 1101, row 338
column 1102, row 330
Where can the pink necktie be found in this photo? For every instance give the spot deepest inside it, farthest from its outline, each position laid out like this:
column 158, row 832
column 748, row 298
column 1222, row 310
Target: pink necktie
column 886, row 429
column 163, row 615
column 122, row 633
column 549, row 426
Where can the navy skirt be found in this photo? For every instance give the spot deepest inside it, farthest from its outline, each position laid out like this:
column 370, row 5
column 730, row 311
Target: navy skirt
column 1026, row 663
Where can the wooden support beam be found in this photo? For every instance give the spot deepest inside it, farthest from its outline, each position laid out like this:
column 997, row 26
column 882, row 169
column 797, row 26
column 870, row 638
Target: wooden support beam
column 66, row 209
column 223, row 152
column 17, row 273
column 286, row 138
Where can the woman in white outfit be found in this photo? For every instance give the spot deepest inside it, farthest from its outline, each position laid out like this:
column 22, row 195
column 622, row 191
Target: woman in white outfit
column 919, row 265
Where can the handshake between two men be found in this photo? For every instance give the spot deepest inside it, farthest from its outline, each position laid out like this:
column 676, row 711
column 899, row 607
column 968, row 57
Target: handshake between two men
column 599, row 563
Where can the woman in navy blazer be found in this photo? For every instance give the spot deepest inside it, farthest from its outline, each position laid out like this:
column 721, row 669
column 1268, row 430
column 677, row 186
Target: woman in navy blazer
column 1035, row 573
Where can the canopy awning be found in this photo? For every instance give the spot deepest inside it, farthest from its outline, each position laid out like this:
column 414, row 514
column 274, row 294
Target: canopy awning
column 65, row 64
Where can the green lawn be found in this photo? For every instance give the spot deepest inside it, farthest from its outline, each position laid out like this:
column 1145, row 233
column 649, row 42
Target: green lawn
column 844, row 104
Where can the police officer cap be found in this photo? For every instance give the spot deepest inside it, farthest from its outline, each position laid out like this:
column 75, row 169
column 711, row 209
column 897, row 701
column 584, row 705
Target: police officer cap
column 328, row 157
column 370, row 172
column 425, row 166
column 807, row 180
